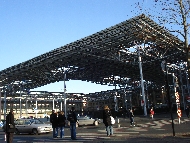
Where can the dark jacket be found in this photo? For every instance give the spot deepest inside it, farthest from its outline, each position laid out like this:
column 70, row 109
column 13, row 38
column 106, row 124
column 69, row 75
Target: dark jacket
column 61, row 120
column 54, row 120
column 72, row 117
column 10, row 120
column 187, row 111
column 131, row 115
column 106, row 117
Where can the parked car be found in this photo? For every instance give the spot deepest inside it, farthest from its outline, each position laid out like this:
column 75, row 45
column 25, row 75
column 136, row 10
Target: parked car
column 31, row 126
column 86, row 120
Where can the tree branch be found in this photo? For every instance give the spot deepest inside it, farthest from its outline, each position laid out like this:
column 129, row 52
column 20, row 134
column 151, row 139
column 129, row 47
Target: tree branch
column 177, row 31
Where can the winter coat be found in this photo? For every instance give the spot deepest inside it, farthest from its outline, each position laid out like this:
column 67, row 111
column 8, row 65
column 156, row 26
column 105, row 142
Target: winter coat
column 54, row 120
column 72, row 117
column 131, row 115
column 61, row 120
column 10, row 120
column 106, row 117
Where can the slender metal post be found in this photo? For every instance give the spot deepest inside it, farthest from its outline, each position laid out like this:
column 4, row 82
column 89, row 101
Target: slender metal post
column 142, row 82
column 125, row 98
column 36, row 107
column 187, row 78
column 5, row 104
column 53, row 104
column 26, row 107
column 182, row 92
column 168, row 95
column 115, row 100
column 61, row 108
column 65, row 101
column 147, row 95
column 20, row 102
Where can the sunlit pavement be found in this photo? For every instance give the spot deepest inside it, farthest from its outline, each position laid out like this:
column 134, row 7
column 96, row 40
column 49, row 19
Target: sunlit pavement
column 145, row 130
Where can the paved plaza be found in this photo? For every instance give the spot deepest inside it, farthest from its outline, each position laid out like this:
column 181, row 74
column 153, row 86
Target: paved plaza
column 146, row 130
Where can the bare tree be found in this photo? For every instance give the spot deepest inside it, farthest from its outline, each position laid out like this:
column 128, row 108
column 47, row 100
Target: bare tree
column 173, row 15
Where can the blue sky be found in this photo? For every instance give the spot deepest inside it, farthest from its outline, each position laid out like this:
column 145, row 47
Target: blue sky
column 30, row 28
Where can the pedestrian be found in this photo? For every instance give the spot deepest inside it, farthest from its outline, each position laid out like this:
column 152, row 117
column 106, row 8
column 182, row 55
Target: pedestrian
column 187, row 111
column 107, row 120
column 152, row 113
column 61, row 123
column 72, row 118
column 47, row 117
column 54, row 122
column 10, row 126
column 131, row 117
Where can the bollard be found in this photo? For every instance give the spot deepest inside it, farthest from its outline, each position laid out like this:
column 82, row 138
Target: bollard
column 118, row 124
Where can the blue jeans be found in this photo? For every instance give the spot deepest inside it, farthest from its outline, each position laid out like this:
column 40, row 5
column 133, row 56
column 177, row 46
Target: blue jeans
column 131, row 120
column 109, row 130
column 73, row 130
column 55, row 132
column 61, row 132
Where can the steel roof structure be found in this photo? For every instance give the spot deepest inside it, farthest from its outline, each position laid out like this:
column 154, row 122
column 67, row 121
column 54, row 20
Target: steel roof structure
column 106, row 57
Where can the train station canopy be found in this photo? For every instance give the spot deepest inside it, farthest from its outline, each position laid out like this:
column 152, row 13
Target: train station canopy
column 107, row 57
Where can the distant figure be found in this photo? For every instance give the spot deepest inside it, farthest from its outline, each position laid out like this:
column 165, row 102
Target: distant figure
column 131, row 117
column 54, row 122
column 72, row 118
column 10, row 126
column 47, row 118
column 152, row 113
column 107, row 120
column 187, row 111
column 61, row 123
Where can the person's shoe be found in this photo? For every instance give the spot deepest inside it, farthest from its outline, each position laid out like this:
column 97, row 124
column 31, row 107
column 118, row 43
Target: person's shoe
column 55, row 137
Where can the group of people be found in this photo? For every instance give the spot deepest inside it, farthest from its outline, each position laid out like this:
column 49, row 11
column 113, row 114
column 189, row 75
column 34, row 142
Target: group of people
column 58, row 121
column 107, row 120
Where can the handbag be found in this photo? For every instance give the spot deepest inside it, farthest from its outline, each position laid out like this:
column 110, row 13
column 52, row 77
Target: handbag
column 112, row 120
column 11, row 126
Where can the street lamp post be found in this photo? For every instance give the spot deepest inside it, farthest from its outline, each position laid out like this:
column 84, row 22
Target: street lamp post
column 65, row 101
column 142, row 82
column 53, row 104
column 5, row 104
column 20, row 102
column 26, row 106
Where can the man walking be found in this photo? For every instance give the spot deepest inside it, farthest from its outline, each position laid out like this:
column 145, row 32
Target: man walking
column 10, row 126
column 72, row 118
column 54, row 122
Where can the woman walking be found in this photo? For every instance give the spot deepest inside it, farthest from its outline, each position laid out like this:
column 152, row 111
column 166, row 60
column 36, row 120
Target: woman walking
column 61, row 123
column 107, row 120
column 131, row 117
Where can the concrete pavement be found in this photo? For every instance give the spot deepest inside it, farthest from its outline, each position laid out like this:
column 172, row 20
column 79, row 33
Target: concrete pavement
column 158, row 130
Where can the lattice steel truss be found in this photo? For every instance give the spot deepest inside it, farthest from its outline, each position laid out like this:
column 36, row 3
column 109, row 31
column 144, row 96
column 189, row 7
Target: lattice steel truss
column 102, row 56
